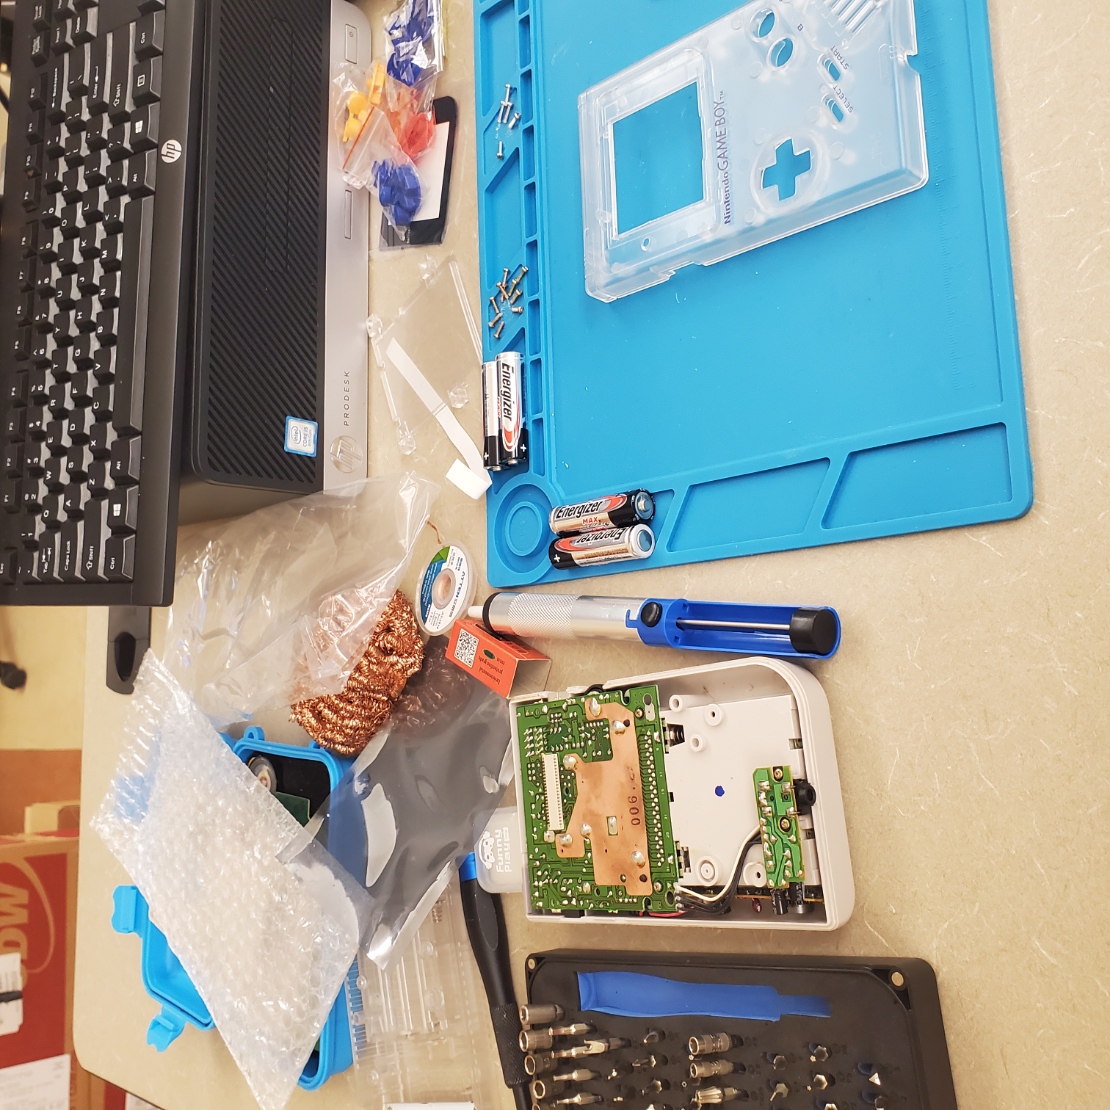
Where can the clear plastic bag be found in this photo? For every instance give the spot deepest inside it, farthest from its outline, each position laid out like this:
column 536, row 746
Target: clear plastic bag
column 414, row 1028
column 437, row 330
column 278, row 606
column 374, row 157
column 415, row 31
column 200, row 837
column 376, row 161
column 417, row 798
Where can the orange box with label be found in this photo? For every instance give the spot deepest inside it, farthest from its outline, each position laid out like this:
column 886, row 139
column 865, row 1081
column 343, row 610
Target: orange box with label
column 497, row 661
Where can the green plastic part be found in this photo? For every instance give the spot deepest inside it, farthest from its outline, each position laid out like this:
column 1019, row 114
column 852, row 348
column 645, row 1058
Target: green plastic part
column 778, row 826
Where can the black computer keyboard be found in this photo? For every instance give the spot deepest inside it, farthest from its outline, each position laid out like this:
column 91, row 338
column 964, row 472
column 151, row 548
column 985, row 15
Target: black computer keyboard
column 95, row 264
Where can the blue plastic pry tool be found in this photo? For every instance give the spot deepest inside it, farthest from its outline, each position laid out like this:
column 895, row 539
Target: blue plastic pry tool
column 630, row 994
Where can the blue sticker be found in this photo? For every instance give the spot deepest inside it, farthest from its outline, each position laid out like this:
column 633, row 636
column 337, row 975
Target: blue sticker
column 300, row 436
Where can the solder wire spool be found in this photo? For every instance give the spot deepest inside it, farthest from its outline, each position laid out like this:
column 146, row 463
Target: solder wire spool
column 447, row 589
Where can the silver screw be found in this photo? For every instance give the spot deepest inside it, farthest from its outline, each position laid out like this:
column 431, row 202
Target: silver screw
column 514, row 121
column 500, row 151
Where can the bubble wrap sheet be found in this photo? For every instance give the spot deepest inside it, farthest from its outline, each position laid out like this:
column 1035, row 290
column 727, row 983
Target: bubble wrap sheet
column 200, row 836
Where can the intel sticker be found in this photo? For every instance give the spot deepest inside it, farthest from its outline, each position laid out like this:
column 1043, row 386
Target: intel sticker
column 300, row 436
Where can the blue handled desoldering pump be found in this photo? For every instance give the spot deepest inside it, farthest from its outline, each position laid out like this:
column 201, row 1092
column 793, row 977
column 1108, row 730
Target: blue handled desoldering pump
column 785, row 630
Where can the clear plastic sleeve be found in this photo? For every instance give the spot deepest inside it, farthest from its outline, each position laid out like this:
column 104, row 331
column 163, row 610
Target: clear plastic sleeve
column 278, row 606
column 418, row 1030
column 200, row 837
column 437, row 330
column 417, row 798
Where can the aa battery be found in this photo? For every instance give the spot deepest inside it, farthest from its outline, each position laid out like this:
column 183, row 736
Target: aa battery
column 617, row 510
column 510, row 403
column 491, row 416
column 610, row 545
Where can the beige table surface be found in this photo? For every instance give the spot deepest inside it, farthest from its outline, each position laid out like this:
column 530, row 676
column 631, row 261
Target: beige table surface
column 970, row 699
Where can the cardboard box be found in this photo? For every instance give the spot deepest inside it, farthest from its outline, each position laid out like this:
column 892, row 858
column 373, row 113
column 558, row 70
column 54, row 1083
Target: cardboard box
column 41, row 817
column 35, row 776
column 501, row 662
column 38, row 913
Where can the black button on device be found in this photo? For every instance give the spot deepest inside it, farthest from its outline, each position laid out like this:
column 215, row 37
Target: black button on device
column 144, row 129
column 146, row 82
column 149, row 35
column 119, row 74
column 98, row 478
column 61, row 38
column 98, row 77
column 79, row 73
column 84, row 26
column 29, row 197
column 141, row 169
column 123, row 509
column 125, row 460
column 73, row 500
column 100, row 438
column 35, row 131
column 69, row 551
column 51, row 510
column 26, row 275
column 40, row 92
column 119, row 559
column 40, row 48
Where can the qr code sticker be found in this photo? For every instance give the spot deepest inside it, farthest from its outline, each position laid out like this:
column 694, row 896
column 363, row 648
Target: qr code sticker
column 466, row 648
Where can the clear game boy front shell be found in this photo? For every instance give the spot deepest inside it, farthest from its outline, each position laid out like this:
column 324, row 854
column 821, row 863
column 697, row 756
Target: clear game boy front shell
column 809, row 110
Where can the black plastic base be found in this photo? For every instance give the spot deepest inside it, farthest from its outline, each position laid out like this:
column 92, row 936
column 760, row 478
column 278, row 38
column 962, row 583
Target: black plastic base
column 885, row 1023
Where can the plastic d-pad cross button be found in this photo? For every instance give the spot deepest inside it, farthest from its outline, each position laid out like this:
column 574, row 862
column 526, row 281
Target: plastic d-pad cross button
column 787, row 168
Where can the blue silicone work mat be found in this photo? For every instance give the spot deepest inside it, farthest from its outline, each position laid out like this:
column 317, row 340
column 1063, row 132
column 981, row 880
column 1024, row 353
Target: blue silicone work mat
column 858, row 379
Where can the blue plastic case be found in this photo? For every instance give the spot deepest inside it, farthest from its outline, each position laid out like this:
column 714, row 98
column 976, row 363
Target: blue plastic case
column 860, row 378
column 167, row 982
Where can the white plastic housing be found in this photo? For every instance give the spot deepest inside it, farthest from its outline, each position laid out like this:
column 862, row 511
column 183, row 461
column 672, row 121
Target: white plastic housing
column 768, row 712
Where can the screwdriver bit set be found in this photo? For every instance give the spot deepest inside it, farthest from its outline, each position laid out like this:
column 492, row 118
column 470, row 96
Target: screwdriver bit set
column 666, row 1032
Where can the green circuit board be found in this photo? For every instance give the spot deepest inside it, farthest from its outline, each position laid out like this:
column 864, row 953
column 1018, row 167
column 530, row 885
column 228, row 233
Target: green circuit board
column 778, row 826
column 610, row 850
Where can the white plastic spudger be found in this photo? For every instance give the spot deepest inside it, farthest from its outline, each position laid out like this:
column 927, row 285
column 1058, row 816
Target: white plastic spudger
column 473, row 478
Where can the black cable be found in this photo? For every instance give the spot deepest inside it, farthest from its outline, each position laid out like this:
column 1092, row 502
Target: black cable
column 4, row 101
